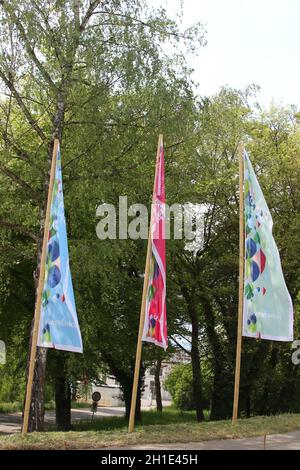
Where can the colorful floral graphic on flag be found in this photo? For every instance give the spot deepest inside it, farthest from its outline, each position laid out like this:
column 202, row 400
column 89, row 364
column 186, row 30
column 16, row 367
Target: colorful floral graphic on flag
column 155, row 327
column 268, row 310
column 59, row 326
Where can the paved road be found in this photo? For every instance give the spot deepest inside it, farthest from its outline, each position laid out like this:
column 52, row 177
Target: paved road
column 288, row 441
column 10, row 423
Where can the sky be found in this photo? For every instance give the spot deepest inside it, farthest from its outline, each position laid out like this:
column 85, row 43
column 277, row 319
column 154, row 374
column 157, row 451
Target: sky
column 248, row 41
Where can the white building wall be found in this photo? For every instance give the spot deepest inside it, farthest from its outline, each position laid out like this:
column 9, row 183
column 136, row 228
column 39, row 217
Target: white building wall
column 111, row 392
column 110, row 395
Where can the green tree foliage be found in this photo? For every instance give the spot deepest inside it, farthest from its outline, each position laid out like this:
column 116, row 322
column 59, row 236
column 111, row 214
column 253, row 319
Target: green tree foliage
column 208, row 276
column 179, row 384
column 96, row 75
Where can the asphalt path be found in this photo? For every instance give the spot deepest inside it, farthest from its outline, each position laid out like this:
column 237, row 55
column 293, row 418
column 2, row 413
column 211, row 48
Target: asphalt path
column 288, row 441
column 11, row 422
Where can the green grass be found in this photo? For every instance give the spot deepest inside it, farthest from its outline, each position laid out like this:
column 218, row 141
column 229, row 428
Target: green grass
column 170, row 426
column 169, row 416
column 10, row 407
column 80, row 404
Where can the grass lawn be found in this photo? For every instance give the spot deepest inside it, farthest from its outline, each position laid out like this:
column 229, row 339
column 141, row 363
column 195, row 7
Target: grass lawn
column 18, row 406
column 169, row 426
column 10, row 407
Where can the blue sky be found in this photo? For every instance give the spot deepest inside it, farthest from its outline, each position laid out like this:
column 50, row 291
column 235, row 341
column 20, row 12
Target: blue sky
column 248, row 41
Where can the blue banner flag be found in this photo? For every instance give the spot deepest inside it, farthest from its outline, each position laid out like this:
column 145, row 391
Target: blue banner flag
column 59, row 328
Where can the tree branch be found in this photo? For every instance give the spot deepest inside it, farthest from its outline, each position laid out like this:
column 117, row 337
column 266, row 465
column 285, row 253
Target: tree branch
column 88, row 14
column 20, row 229
column 9, row 11
column 180, row 345
column 23, row 107
column 51, row 34
column 22, row 154
column 146, row 25
column 17, row 179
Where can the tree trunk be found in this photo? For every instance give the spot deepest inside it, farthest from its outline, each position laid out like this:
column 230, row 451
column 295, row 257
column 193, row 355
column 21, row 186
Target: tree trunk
column 126, row 382
column 138, row 413
column 197, row 385
column 266, row 404
column 62, row 402
column 221, row 397
column 127, row 391
column 195, row 356
column 158, row 385
column 248, row 405
column 37, row 408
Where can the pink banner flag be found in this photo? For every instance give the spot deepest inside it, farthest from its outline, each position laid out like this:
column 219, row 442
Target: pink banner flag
column 155, row 327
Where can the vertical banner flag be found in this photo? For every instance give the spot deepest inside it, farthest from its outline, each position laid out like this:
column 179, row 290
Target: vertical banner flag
column 58, row 328
column 155, row 326
column 268, row 309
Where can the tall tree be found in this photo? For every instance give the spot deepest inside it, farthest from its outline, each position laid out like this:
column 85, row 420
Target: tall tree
column 59, row 63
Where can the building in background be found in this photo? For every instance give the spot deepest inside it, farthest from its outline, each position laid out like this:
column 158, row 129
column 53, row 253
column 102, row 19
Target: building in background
column 111, row 392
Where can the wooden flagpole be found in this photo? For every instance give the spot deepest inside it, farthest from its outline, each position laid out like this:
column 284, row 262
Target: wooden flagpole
column 143, row 309
column 37, row 312
column 241, row 286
